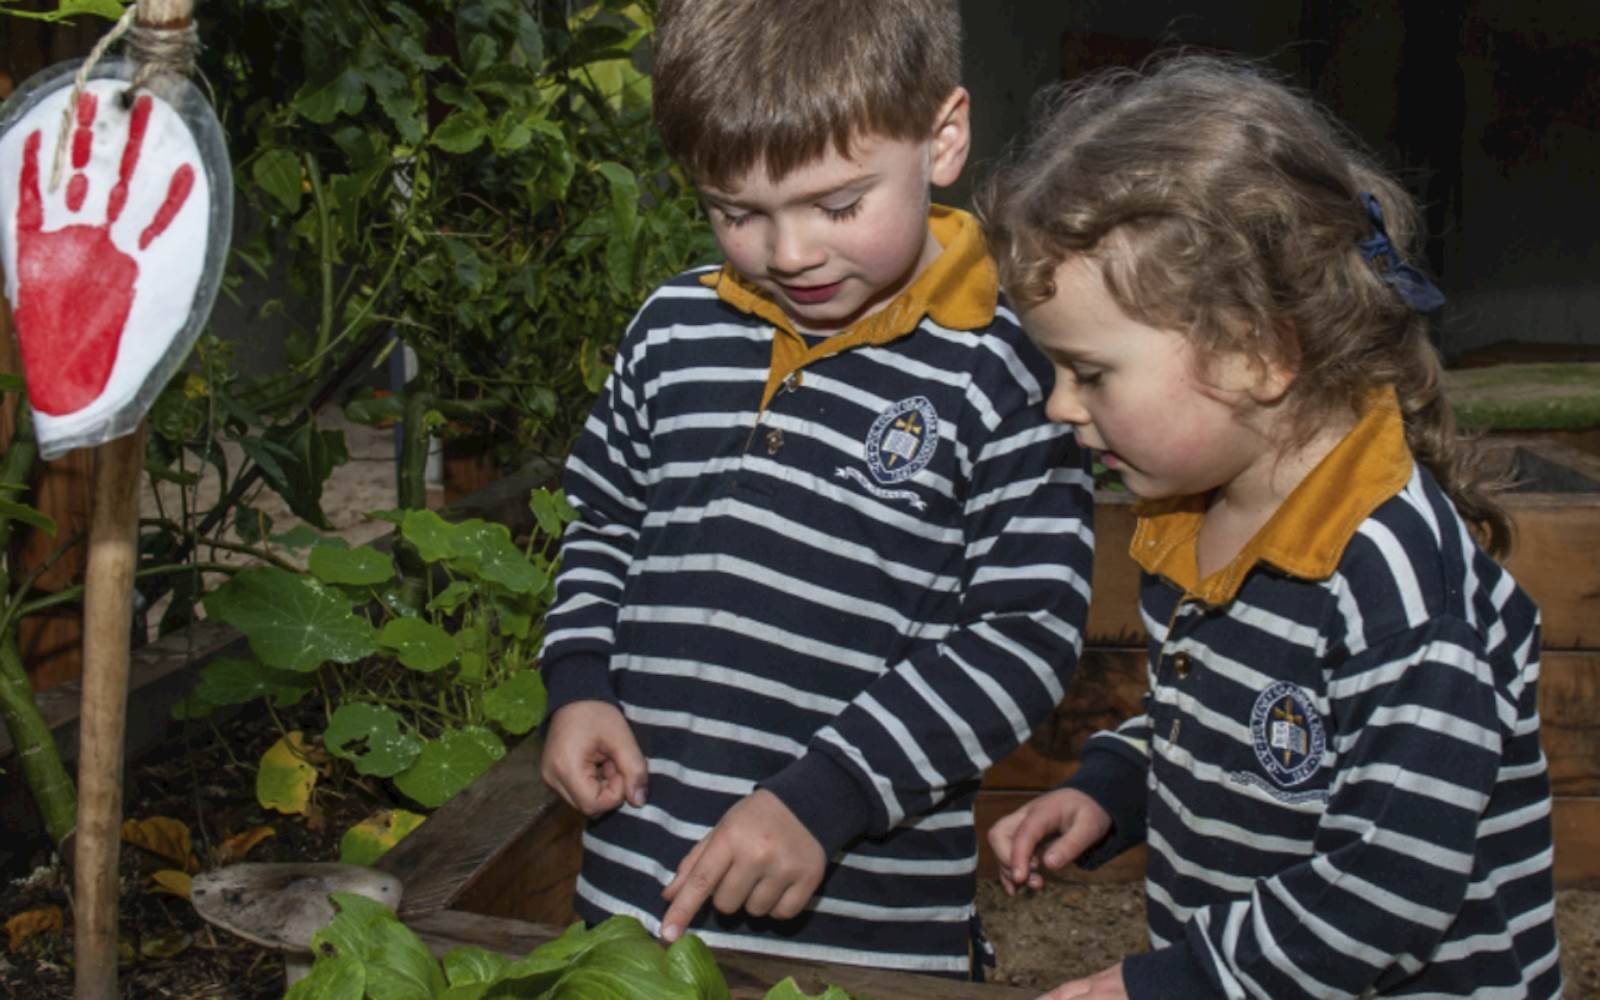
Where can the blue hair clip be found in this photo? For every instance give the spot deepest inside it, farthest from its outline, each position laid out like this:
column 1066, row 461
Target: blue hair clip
column 1414, row 287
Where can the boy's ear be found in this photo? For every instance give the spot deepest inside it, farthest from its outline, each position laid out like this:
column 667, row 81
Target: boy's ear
column 951, row 139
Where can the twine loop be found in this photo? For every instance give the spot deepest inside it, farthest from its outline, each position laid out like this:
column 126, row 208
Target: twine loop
column 156, row 49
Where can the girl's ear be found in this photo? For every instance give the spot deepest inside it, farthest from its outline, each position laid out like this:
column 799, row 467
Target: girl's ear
column 951, row 138
column 1271, row 382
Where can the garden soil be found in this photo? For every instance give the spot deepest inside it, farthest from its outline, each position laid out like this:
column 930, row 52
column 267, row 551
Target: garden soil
column 206, row 780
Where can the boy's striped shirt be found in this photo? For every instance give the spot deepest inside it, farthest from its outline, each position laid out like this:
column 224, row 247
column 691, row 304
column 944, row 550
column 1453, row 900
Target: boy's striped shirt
column 859, row 597
column 1339, row 774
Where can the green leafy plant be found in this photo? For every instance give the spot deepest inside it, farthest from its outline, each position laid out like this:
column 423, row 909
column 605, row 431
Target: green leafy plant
column 422, row 680
column 367, row 952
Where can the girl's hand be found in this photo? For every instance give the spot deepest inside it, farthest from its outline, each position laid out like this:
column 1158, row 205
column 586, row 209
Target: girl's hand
column 1075, row 820
column 1103, row 985
column 592, row 760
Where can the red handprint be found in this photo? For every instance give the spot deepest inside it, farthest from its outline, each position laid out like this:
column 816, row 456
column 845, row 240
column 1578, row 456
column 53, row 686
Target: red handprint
column 75, row 287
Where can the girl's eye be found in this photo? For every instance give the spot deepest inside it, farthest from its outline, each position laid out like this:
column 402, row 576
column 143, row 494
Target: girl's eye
column 842, row 214
column 1086, row 380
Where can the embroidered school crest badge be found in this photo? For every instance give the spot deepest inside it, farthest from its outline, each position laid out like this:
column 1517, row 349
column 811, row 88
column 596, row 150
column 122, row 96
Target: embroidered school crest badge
column 902, row 440
column 899, row 444
column 1288, row 734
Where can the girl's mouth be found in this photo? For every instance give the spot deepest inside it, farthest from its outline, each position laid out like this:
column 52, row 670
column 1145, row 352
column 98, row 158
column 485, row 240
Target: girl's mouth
column 812, row 294
column 1110, row 460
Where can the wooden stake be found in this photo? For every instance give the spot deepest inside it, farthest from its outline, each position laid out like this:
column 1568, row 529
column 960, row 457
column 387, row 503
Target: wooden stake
column 107, row 633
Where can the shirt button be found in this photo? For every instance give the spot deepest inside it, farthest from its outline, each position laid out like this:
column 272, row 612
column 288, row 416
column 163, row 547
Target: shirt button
column 774, row 441
column 1180, row 665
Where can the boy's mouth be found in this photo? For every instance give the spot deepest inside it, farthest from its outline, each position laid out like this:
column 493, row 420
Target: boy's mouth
column 811, row 294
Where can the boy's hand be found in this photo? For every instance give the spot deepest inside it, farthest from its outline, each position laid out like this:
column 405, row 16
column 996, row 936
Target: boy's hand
column 1103, row 985
column 760, row 859
column 592, row 760
column 1079, row 821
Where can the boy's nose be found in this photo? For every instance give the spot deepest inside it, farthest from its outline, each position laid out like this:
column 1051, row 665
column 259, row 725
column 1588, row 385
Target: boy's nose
column 793, row 250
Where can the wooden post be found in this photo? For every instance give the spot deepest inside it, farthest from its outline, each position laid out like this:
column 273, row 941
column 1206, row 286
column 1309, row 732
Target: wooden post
column 107, row 626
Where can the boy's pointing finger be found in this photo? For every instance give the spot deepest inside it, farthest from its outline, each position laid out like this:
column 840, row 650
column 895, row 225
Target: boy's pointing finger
column 697, row 878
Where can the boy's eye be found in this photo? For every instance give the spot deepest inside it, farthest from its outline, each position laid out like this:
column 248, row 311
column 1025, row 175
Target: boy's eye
column 1087, row 380
column 844, row 212
column 734, row 219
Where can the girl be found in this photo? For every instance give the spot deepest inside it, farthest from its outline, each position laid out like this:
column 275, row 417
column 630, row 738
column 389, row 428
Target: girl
column 1338, row 770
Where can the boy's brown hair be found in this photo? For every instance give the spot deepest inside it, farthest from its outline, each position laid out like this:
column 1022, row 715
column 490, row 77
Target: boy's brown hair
column 775, row 81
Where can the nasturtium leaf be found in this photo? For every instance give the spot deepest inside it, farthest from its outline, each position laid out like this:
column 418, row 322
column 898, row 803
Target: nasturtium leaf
column 301, row 536
column 449, row 763
column 492, row 555
column 418, row 644
column 371, row 737
column 163, row 836
column 516, row 619
column 398, row 965
column 171, row 881
column 472, row 652
column 285, row 778
column 234, row 682
column 432, row 535
column 236, row 847
column 31, row 923
column 551, row 511
column 360, row 566
column 518, row 703
column 451, row 597
column 370, row 839
column 291, row 621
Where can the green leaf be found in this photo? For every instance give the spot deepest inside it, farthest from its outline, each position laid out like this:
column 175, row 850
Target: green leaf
column 372, row 737
column 790, row 990
column 398, row 965
column 551, row 511
column 472, row 652
column 322, row 102
column 292, row 623
column 449, row 763
column 27, row 515
column 517, row 704
column 236, row 682
column 12, row 382
column 370, row 839
column 452, row 597
column 277, row 172
column 305, row 458
column 419, row 645
column 284, row 778
column 690, row 962
column 332, row 977
column 461, row 132
column 65, row 10
column 469, row 966
column 489, row 553
column 301, row 536
column 251, row 524
column 359, row 567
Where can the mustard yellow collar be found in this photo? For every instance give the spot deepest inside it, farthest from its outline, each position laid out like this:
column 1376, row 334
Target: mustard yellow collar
column 1307, row 535
column 958, row 290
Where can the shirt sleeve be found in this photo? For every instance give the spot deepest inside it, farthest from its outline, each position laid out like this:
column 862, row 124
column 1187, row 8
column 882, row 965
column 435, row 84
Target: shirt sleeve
column 1114, row 772
column 1420, row 730
column 938, row 719
column 605, row 484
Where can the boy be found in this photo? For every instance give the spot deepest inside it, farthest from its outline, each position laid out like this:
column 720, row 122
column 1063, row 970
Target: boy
column 832, row 560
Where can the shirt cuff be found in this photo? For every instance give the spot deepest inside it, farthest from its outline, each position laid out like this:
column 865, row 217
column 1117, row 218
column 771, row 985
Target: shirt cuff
column 1117, row 785
column 826, row 797
column 1173, row 971
column 579, row 677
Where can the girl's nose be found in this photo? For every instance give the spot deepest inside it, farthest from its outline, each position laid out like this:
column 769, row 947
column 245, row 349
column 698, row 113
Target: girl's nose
column 1065, row 404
